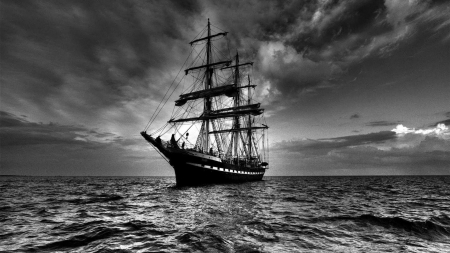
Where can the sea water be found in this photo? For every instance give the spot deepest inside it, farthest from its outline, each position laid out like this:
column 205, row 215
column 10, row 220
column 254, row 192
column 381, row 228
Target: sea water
column 279, row 214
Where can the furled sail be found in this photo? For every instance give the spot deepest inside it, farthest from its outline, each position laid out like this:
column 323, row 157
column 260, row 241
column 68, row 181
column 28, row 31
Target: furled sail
column 252, row 111
column 226, row 63
column 228, row 90
column 237, row 130
column 209, row 37
column 237, row 108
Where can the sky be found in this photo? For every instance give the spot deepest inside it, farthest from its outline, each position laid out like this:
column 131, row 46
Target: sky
column 356, row 87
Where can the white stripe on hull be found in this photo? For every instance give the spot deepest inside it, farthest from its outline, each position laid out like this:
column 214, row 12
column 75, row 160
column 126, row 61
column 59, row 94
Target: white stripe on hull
column 226, row 170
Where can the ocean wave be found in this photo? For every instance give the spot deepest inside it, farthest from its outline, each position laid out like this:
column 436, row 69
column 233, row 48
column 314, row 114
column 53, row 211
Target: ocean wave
column 97, row 233
column 75, row 227
column 96, row 199
column 111, row 250
column 261, row 230
column 296, row 199
column 205, row 241
column 43, row 212
column 7, row 235
column 432, row 228
column 50, row 221
column 84, row 214
column 5, row 208
column 137, row 225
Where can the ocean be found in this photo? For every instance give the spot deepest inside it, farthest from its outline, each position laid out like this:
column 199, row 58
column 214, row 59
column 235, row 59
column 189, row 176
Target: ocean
column 279, row 214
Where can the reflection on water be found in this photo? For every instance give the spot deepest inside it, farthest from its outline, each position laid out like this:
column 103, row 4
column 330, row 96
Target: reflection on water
column 280, row 214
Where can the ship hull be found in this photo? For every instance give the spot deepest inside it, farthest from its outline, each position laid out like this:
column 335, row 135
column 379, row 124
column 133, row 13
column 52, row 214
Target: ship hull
column 189, row 173
column 195, row 168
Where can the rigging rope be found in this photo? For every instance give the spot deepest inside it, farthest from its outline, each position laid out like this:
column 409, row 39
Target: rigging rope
column 157, row 113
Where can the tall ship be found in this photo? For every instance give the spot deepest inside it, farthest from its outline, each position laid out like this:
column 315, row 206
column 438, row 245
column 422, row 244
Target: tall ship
column 217, row 133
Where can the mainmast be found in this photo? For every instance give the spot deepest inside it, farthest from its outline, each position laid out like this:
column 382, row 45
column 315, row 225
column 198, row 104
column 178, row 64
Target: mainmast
column 237, row 133
column 208, row 73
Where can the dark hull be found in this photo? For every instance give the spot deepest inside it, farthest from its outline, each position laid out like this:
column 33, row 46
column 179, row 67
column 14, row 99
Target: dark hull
column 188, row 174
column 194, row 168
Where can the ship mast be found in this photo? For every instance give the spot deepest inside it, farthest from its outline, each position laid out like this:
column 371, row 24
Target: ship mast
column 249, row 133
column 236, row 104
column 208, row 73
column 236, row 129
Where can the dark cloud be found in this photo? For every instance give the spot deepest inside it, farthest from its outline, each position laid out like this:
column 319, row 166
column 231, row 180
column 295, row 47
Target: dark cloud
column 90, row 56
column 30, row 148
column 355, row 116
column 17, row 131
column 303, row 46
column 95, row 56
column 323, row 146
column 416, row 152
column 273, row 20
column 383, row 123
column 355, row 17
column 445, row 122
column 393, row 161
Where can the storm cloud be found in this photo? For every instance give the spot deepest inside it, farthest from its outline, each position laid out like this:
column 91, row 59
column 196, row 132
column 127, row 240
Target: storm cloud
column 73, row 61
column 323, row 146
column 111, row 57
column 382, row 123
column 303, row 46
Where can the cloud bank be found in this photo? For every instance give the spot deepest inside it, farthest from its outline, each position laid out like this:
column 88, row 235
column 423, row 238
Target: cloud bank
column 30, row 148
column 402, row 151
